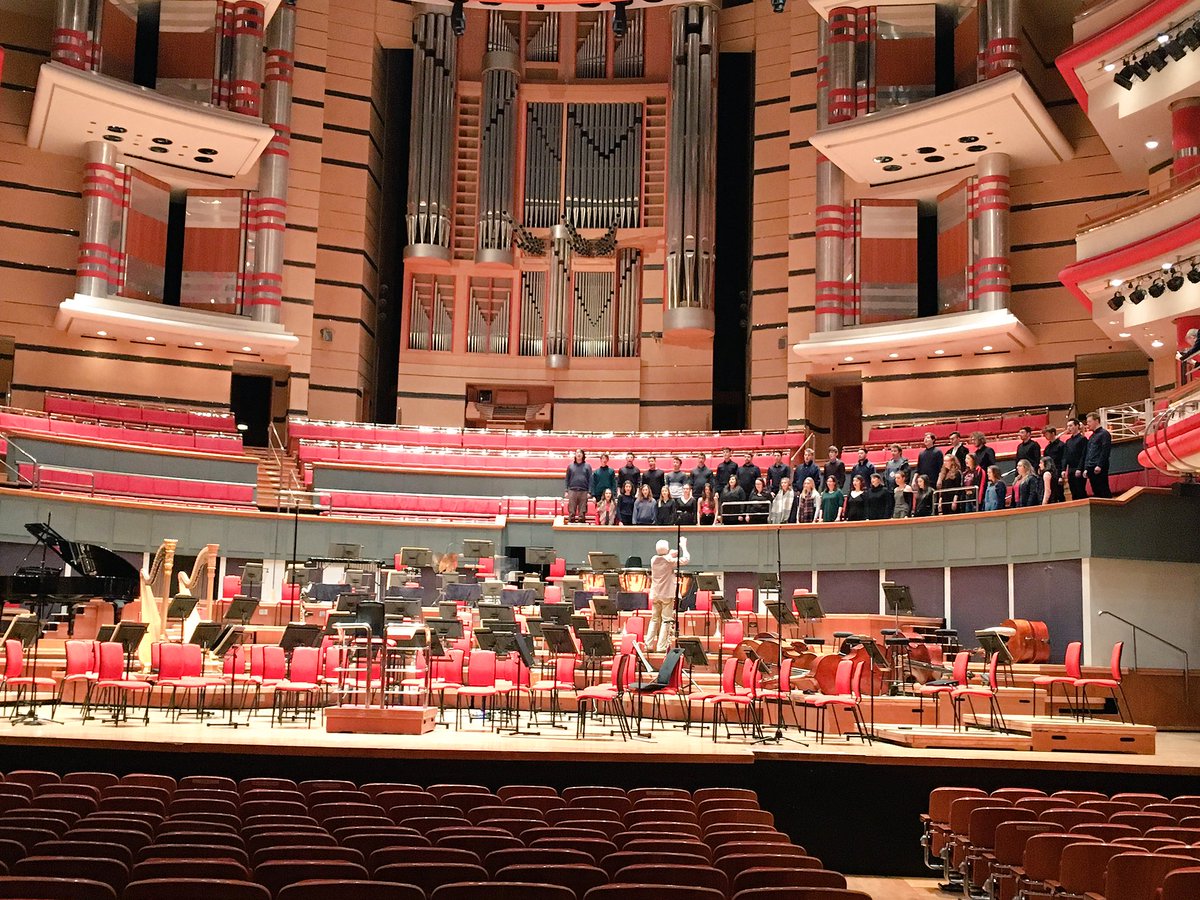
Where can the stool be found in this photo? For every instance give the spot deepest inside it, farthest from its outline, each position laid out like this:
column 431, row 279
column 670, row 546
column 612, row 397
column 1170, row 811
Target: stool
column 840, row 638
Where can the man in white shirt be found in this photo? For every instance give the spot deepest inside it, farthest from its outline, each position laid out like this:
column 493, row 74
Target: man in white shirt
column 662, row 594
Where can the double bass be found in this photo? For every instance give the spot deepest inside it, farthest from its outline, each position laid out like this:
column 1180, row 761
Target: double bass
column 1030, row 640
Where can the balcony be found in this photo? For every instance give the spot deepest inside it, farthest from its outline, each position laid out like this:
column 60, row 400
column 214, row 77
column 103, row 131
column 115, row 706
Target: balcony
column 1135, row 245
column 824, row 7
column 977, row 333
column 1134, row 124
column 946, row 133
column 157, row 324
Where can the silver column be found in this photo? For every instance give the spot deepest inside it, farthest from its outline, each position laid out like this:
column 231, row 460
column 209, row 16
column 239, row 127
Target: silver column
column 992, row 274
column 249, row 18
column 497, row 146
column 266, row 285
column 1000, row 37
column 691, row 170
column 431, row 137
column 629, row 300
column 76, row 23
column 835, row 103
column 558, row 297
column 98, row 272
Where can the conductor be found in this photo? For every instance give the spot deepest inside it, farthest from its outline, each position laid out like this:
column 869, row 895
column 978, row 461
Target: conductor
column 662, row 593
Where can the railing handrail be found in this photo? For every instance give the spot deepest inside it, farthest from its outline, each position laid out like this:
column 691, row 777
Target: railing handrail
column 283, row 462
column 1187, row 665
column 16, row 469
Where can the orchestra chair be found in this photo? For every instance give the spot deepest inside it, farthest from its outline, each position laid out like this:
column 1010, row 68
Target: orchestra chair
column 301, row 686
column 743, row 698
column 480, row 682
column 114, row 687
column 733, row 631
column 704, row 695
column 703, row 605
column 563, row 682
column 558, row 570
column 958, row 677
column 171, row 676
column 782, row 692
column 746, row 607
column 636, row 626
column 195, row 889
column 231, row 586
column 1073, row 673
column 14, row 664
column 968, row 693
column 659, row 696
column 610, row 697
column 81, row 668
column 268, row 667
column 847, row 694
column 1113, row 684
column 485, row 566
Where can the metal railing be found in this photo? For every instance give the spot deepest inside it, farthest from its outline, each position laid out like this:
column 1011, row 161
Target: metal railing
column 1128, row 420
column 1160, row 423
column 294, row 489
column 14, row 469
column 1187, row 666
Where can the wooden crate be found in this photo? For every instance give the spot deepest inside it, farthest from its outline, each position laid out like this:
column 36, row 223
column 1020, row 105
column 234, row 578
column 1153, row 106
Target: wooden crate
column 1104, row 737
column 376, row 720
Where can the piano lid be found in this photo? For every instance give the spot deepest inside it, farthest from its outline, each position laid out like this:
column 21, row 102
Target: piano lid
column 86, row 559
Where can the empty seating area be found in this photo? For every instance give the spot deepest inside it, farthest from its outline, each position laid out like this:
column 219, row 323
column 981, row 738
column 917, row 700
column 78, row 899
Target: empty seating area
column 153, row 487
column 994, row 427
column 178, row 438
column 149, row 415
column 97, row 836
column 420, row 506
column 1124, row 846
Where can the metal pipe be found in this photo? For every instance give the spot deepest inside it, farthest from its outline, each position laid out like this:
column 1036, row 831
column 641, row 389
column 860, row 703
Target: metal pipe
column 249, row 22
column 497, row 146
column 1001, row 48
column 431, row 136
column 993, row 276
column 76, row 26
column 97, row 272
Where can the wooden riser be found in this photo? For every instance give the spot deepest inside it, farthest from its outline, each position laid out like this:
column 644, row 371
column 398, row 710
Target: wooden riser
column 945, row 737
column 373, row 720
column 1090, row 735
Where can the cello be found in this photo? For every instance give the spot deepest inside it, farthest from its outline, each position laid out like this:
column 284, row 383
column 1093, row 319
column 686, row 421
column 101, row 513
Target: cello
column 1030, row 641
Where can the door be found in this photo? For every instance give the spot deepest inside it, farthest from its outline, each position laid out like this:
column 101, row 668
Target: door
column 250, row 401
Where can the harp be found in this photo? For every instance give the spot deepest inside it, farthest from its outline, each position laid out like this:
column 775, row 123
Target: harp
column 201, row 584
column 155, row 590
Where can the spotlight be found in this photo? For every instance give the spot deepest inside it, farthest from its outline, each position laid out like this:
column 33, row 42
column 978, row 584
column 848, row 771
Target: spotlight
column 1157, row 288
column 1190, row 38
column 1140, row 69
column 1137, row 295
column 620, row 22
column 1175, row 48
column 1116, row 301
column 1124, row 78
column 1156, row 58
column 1175, row 282
column 1193, row 274
column 458, row 18
column 778, row 5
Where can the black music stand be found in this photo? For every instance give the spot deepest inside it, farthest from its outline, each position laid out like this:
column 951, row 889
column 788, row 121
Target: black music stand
column 558, row 613
column 721, row 605
column 129, row 635
column 27, row 629
column 205, row 634
column 534, row 625
column 808, row 606
column 523, row 647
column 402, row 608
column 231, row 637
column 446, row 629
column 240, row 610
column 784, row 614
column 300, row 636
column 898, row 599
column 878, row 662
column 416, row 558
column 597, row 645
column 180, row 607
column 104, row 633
column 991, row 642
column 604, row 606
column 693, row 654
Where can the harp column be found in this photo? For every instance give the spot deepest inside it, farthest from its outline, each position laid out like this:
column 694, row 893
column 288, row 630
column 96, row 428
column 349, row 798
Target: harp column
column 498, row 147
column 835, row 103
column 266, row 290
column 431, row 136
column 558, row 297
column 691, row 173
column 992, row 274
column 74, row 42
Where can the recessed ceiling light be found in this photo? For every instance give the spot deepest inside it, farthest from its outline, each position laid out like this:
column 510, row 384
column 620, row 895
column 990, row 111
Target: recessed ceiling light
column 247, row 350
column 149, row 338
column 849, row 359
column 1166, row 267
column 987, row 348
column 1115, row 282
column 1124, row 334
column 1156, row 344
column 242, row 426
column 1110, row 67
column 198, row 344
column 1163, row 38
column 1151, row 144
column 938, row 352
column 893, row 356
column 101, row 334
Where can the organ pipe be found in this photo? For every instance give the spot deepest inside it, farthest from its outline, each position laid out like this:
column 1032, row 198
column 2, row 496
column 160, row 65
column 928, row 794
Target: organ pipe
column 533, row 323
column 691, row 170
column 629, row 299
column 558, row 288
column 543, row 164
column 604, row 165
column 266, row 290
column 497, row 145
column 835, row 103
column 431, row 136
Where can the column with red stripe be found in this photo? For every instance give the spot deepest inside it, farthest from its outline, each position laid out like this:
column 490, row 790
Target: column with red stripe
column 100, row 267
column 992, row 278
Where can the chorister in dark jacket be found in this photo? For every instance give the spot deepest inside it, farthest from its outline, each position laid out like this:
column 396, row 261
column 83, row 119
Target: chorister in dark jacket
column 1029, row 449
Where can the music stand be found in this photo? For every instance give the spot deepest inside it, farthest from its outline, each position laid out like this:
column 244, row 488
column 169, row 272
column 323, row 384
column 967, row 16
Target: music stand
column 300, row 636
column 808, row 606
column 447, row 609
column 597, row 645
column 477, row 549
column 180, row 607
column 612, row 583
column 240, row 610
column 491, row 588
column 228, row 641
column 569, row 585
column 205, row 633
column 540, row 557
column 558, row 613
column 23, row 628
column 604, row 562
column 534, row 624
column 129, row 635
column 783, row 612
column 721, row 605
column 992, row 642
column 879, row 662
column 403, row 607
column 446, row 628
column 605, row 607
column 898, row 599
column 252, row 579
column 558, row 639
column 104, row 633
column 339, row 550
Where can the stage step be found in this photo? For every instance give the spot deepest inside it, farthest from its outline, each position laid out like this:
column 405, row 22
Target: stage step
column 945, row 737
column 1090, row 735
column 377, row 720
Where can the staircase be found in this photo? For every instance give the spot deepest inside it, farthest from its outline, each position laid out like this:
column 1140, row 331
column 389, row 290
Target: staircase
column 275, row 474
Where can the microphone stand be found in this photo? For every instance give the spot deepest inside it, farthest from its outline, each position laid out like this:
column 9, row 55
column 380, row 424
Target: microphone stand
column 779, row 737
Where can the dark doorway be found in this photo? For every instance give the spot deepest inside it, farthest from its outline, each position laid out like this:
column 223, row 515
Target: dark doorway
column 250, row 401
column 846, row 419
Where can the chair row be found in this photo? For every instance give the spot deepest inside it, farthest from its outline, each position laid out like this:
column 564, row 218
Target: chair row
column 106, row 410
column 414, row 505
column 1009, row 423
column 117, row 484
column 121, row 435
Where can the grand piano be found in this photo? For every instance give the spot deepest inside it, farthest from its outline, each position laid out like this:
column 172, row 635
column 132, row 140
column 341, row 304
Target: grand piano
column 101, row 573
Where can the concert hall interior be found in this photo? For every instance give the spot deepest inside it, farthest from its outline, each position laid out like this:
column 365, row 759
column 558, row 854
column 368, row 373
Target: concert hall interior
column 722, row 449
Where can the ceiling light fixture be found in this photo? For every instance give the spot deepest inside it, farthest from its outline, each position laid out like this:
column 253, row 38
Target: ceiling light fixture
column 1151, row 144
column 199, row 344
column 987, row 348
column 1115, row 282
column 1156, row 344
column 458, row 18
column 849, row 359
column 1175, row 282
column 620, row 21
column 1193, row 274
column 101, row 334
column 893, row 356
column 1137, row 295
column 1157, row 288
column 151, row 339
column 1116, row 301
column 938, row 352
column 1124, row 334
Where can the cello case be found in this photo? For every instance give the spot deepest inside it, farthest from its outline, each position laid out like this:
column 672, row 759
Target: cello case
column 1030, row 642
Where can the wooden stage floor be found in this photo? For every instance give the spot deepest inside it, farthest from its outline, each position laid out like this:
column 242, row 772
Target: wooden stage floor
column 1178, row 753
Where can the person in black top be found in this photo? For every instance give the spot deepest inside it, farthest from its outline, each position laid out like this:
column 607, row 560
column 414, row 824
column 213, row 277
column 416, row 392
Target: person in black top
column 776, row 472
column 879, row 499
column 863, row 469
column 747, row 473
column 1096, row 460
column 929, row 462
column 631, row 473
column 732, row 510
column 625, row 502
column 685, row 507
column 1054, row 447
column 654, row 476
column 726, row 467
column 1027, row 490
column 985, row 456
column 957, row 448
column 807, row 469
column 701, row 475
column 1074, row 452
column 1052, row 487
column 856, row 501
column 1028, row 448
column 834, row 468
column 761, row 501
column 664, row 510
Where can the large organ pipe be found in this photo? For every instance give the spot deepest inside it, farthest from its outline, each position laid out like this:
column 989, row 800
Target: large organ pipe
column 688, row 303
column 533, row 324
column 558, row 289
column 629, row 298
column 497, row 145
column 431, row 137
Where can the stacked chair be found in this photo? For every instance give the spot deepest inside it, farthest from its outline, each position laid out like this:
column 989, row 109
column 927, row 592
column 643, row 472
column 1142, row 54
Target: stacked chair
column 97, row 836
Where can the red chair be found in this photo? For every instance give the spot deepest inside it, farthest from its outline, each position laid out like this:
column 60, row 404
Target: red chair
column 300, row 687
column 1137, row 876
column 82, row 662
column 958, row 678
column 742, row 698
column 563, row 683
column 847, row 680
column 968, row 693
column 702, row 696
column 733, row 631
column 480, row 683
column 801, row 893
column 113, row 689
column 278, row 874
column 1182, row 884
column 745, row 605
column 1113, row 684
column 577, row 878
column 13, row 887
column 1073, row 673
column 653, row 892
column 194, row 889
column 14, row 664
column 500, row 890
column 610, row 696
column 320, row 889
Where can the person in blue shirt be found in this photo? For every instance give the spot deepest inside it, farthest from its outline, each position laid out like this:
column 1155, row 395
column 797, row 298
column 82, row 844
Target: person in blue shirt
column 996, row 491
